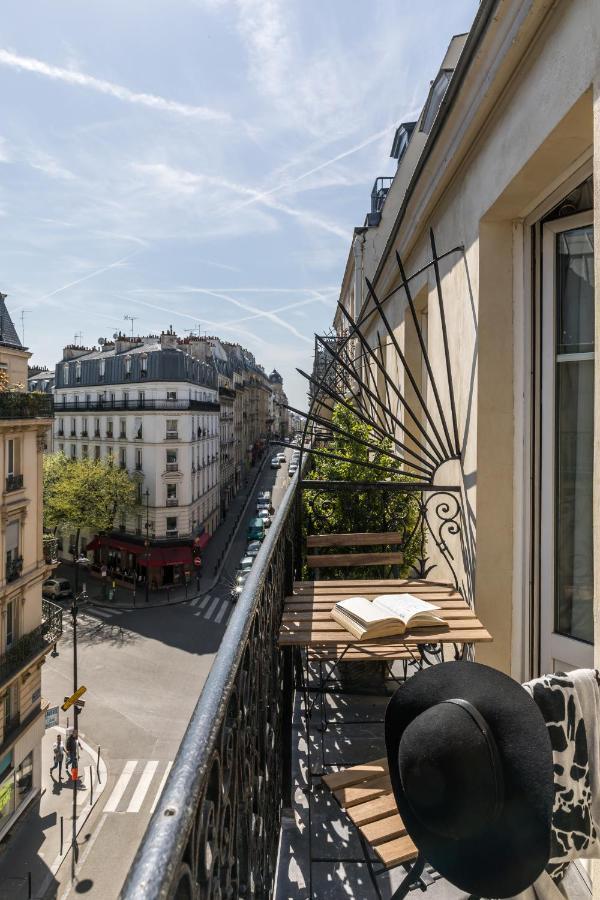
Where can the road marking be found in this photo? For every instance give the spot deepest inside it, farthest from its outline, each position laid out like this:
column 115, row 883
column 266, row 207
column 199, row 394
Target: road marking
column 212, row 608
column 194, row 602
column 141, row 790
column 202, row 605
column 161, row 786
column 101, row 612
column 120, row 786
column 221, row 612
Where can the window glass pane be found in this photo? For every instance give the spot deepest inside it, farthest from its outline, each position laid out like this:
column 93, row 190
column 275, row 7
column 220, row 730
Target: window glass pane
column 575, row 291
column 574, row 572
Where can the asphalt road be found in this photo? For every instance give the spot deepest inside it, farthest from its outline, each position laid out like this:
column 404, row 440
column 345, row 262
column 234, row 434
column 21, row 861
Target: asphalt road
column 144, row 671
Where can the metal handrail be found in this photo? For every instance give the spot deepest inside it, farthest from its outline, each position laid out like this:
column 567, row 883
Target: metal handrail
column 132, row 404
column 213, row 777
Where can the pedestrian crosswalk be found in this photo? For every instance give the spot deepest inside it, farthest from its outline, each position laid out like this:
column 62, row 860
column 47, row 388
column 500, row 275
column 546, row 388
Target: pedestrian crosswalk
column 211, row 608
column 140, row 782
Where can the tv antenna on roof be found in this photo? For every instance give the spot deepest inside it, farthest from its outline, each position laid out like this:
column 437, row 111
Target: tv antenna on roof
column 23, row 314
column 78, row 337
column 132, row 320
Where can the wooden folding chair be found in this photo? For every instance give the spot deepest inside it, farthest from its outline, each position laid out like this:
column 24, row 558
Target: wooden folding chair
column 365, row 794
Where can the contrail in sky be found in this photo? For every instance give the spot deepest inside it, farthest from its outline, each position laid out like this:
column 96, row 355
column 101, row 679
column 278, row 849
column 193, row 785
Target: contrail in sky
column 118, row 91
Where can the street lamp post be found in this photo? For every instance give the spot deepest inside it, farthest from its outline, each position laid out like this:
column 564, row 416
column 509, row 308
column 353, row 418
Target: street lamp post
column 147, row 547
column 74, row 612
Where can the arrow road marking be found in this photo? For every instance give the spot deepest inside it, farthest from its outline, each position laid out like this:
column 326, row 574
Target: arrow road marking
column 120, row 786
column 136, row 801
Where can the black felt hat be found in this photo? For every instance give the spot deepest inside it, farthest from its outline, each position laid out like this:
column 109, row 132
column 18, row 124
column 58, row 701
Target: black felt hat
column 470, row 762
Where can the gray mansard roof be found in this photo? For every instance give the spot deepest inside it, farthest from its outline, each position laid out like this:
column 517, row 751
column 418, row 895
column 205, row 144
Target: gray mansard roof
column 8, row 332
column 161, row 364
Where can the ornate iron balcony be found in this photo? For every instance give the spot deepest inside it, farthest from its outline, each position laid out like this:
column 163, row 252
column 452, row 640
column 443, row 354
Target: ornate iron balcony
column 235, row 747
column 33, row 644
column 14, row 483
column 14, row 568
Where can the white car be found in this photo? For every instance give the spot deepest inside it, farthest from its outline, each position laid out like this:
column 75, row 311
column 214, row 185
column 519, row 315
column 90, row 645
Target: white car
column 57, row 588
column 246, row 563
column 275, row 462
column 292, row 469
column 253, row 548
column 264, row 515
column 281, row 456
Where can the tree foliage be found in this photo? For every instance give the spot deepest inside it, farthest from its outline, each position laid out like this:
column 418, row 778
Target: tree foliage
column 84, row 493
column 355, row 510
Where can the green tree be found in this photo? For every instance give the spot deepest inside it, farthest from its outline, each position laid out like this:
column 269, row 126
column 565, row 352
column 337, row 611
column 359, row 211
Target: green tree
column 84, row 493
column 355, row 510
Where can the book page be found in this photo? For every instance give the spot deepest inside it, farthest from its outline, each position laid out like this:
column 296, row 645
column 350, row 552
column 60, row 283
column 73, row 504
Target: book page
column 404, row 606
column 364, row 611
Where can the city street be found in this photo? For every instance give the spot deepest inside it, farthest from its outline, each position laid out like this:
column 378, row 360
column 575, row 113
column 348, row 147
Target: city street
column 144, row 671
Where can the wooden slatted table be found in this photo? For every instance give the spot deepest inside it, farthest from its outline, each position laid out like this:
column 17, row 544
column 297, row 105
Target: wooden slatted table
column 365, row 794
column 307, row 621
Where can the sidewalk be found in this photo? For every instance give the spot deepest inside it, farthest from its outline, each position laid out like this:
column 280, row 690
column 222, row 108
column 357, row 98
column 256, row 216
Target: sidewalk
column 34, row 845
column 213, row 559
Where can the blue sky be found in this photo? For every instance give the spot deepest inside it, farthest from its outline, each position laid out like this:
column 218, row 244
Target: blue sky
column 199, row 163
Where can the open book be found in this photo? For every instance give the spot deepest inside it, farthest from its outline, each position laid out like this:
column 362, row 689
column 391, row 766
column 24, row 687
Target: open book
column 385, row 615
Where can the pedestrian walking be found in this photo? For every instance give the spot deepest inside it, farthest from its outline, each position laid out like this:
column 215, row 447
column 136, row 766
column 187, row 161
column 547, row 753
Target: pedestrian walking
column 59, row 754
column 72, row 746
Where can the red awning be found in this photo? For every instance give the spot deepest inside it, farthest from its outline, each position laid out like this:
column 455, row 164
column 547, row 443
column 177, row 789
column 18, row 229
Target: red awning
column 167, row 556
column 114, row 544
column 202, row 540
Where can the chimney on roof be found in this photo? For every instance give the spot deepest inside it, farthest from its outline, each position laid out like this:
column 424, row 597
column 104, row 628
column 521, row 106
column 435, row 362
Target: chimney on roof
column 72, row 351
column 168, row 339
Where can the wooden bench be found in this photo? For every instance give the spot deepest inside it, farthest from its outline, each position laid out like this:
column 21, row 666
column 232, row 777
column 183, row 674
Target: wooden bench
column 346, row 560
column 365, row 794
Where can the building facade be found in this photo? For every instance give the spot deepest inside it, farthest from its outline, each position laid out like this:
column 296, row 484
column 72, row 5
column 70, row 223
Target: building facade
column 500, row 167
column 28, row 625
column 153, row 410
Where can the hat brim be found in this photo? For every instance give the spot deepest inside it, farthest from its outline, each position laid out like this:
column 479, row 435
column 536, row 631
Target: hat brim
column 508, row 855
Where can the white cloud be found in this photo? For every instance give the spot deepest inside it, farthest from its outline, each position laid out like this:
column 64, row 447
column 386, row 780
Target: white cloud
column 118, row 91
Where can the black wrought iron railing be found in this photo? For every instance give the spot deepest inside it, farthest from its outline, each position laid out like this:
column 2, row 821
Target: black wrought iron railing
column 14, row 483
column 18, row 405
column 133, row 404
column 215, row 830
column 32, row 644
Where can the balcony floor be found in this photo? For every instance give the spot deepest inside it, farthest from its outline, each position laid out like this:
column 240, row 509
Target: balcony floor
column 321, row 854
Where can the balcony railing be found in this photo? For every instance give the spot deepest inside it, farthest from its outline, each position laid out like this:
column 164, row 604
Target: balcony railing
column 132, row 404
column 32, row 644
column 14, row 483
column 17, row 405
column 232, row 768
column 14, row 568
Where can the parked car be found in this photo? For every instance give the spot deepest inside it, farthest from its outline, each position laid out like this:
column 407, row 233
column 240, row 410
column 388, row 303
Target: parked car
column 246, row 563
column 265, row 495
column 253, row 548
column 281, row 456
column 265, row 517
column 57, row 588
column 275, row 462
column 293, row 468
column 255, row 530
column 261, row 503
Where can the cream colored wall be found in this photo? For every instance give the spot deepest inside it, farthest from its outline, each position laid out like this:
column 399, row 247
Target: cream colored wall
column 536, row 130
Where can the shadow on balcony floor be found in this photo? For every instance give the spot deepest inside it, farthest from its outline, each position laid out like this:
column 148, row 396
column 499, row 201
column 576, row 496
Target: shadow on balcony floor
column 321, row 854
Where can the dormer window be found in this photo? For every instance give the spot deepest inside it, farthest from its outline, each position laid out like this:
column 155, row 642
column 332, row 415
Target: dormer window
column 78, row 371
column 66, row 373
column 101, row 369
column 143, row 365
column 128, row 367
column 434, row 100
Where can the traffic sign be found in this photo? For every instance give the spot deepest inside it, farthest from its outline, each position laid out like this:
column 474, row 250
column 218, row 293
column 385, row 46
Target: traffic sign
column 69, row 701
